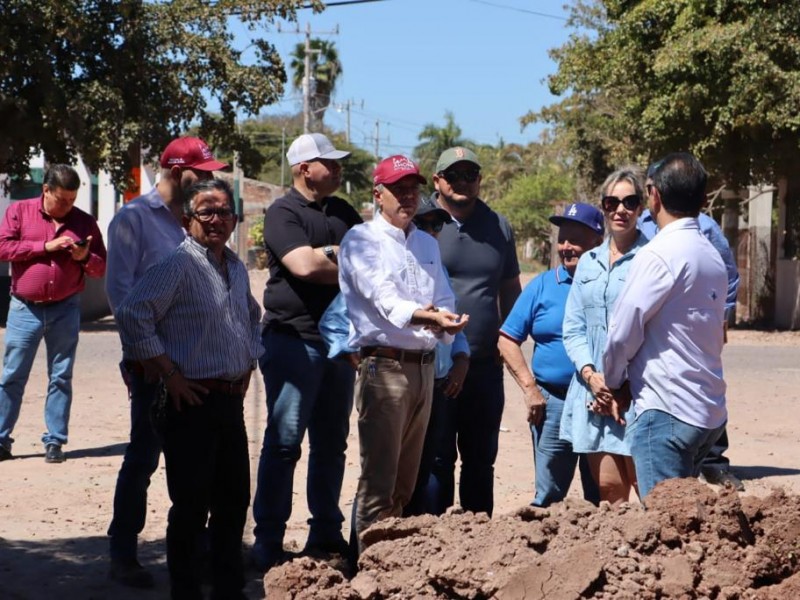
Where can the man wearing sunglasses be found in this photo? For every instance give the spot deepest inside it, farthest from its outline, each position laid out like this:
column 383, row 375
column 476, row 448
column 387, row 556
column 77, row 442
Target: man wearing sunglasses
column 665, row 335
column 479, row 253
column 143, row 232
column 305, row 389
column 173, row 321
column 716, row 467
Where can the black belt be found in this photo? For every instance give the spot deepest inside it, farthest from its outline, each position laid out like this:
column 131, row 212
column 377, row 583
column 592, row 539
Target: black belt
column 556, row 390
column 236, row 387
column 409, row 356
column 36, row 302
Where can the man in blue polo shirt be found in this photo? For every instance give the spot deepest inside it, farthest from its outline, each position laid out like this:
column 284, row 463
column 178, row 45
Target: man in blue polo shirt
column 539, row 313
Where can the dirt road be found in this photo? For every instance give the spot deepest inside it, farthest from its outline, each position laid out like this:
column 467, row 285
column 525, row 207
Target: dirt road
column 53, row 518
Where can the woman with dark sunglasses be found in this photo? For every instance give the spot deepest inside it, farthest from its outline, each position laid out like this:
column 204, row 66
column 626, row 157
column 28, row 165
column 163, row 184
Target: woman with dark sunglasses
column 598, row 280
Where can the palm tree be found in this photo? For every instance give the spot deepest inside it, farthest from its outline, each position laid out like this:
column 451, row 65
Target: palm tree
column 325, row 72
column 434, row 140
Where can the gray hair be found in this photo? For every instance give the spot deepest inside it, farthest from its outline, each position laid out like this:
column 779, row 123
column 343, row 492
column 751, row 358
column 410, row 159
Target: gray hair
column 207, row 185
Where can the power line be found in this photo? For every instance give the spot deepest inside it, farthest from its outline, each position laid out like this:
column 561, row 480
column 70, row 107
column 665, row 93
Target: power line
column 521, row 10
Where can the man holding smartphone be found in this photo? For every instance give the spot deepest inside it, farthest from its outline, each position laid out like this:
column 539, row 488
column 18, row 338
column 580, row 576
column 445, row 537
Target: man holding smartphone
column 41, row 238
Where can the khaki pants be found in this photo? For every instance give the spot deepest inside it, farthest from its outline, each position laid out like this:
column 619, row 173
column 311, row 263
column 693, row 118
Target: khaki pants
column 393, row 400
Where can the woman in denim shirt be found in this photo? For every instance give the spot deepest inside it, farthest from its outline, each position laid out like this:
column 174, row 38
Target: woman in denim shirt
column 598, row 280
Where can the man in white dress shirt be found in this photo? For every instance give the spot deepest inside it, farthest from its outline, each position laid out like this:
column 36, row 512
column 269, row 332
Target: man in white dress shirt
column 666, row 333
column 400, row 305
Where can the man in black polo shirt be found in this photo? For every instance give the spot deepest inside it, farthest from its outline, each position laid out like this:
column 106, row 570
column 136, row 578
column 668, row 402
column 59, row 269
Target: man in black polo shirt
column 478, row 251
column 305, row 390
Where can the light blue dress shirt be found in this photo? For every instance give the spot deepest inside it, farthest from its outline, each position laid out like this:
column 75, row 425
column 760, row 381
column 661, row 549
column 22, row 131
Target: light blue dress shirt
column 591, row 299
column 665, row 335
column 713, row 232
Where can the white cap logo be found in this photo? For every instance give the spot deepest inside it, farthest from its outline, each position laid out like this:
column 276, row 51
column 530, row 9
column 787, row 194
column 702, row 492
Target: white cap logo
column 573, row 210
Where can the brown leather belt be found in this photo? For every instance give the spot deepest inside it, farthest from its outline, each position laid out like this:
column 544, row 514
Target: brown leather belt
column 408, row 356
column 236, row 387
column 37, row 302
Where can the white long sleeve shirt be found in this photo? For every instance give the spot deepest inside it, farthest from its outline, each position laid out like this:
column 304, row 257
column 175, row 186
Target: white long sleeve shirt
column 385, row 276
column 666, row 331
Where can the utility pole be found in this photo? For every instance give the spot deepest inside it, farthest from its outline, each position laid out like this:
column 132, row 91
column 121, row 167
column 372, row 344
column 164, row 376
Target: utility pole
column 377, row 139
column 307, row 69
column 346, row 108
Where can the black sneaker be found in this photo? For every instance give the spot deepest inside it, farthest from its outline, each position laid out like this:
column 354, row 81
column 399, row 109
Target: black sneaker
column 131, row 574
column 722, row 477
column 266, row 556
column 53, row 454
column 5, row 454
column 339, row 547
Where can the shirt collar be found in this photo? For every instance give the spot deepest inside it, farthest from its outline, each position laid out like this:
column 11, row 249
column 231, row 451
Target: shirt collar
column 154, row 199
column 562, row 275
column 197, row 248
column 391, row 230
column 684, row 223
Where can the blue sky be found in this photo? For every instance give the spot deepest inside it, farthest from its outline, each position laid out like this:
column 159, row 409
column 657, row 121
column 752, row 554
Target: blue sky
column 409, row 61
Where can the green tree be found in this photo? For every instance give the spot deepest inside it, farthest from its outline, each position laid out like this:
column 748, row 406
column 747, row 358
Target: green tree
column 530, row 199
column 435, row 139
column 720, row 78
column 101, row 78
column 326, row 68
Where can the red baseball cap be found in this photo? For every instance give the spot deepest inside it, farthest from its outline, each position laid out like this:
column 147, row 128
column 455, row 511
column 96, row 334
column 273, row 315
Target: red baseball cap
column 190, row 153
column 394, row 169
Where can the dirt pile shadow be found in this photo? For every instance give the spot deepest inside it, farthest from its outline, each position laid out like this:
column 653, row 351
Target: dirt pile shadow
column 690, row 543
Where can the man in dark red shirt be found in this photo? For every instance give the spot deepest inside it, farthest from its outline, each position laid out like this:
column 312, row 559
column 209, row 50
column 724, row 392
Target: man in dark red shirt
column 51, row 246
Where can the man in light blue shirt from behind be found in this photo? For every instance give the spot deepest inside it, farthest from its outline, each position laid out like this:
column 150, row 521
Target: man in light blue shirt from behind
column 666, row 333
column 716, row 467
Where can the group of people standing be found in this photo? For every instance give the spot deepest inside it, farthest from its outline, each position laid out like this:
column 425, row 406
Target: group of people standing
column 610, row 328
column 409, row 316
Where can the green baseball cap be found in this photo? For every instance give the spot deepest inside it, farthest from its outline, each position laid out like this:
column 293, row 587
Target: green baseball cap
column 453, row 155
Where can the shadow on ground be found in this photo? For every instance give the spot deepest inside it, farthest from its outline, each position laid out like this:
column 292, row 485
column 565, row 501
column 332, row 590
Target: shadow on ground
column 78, row 568
column 762, row 472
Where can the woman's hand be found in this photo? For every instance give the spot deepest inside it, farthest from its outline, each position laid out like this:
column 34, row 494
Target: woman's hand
column 536, row 405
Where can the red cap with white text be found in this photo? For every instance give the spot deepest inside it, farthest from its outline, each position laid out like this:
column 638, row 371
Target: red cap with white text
column 190, row 153
column 394, row 168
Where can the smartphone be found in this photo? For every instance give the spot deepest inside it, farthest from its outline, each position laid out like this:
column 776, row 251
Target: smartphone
column 81, row 243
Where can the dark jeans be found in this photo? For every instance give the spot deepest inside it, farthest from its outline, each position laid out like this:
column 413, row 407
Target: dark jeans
column 305, row 391
column 208, row 472
column 716, row 460
column 420, row 501
column 138, row 466
column 469, row 427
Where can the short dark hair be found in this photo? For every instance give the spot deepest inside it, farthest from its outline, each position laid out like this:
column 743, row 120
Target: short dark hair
column 62, row 176
column 207, row 185
column 681, row 182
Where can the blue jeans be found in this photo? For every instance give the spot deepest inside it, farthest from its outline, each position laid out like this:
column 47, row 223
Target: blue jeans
column 59, row 324
column 554, row 461
column 664, row 447
column 469, row 425
column 138, row 466
column 305, row 390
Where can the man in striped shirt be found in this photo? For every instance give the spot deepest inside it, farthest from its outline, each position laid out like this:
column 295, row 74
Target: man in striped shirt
column 192, row 319
column 52, row 246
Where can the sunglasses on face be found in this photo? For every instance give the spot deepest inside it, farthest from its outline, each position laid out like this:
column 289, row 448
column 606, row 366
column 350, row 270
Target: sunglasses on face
column 206, row 215
column 468, row 175
column 611, row 203
column 435, row 226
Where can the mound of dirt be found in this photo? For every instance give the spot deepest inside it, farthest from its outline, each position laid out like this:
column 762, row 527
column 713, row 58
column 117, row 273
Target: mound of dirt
column 690, row 543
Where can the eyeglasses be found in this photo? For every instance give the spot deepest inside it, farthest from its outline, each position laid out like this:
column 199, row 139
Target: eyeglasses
column 206, row 215
column 468, row 175
column 611, row 203
column 435, row 225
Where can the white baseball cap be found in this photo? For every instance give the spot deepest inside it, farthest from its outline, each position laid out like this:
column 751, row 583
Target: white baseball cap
column 310, row 146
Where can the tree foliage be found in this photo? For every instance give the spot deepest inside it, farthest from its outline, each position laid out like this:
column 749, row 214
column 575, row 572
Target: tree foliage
column 720, row 78
column 326, row 68
column 100, row 78
column 435, row 139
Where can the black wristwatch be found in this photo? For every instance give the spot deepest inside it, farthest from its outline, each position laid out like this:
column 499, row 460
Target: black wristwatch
column 329, row 252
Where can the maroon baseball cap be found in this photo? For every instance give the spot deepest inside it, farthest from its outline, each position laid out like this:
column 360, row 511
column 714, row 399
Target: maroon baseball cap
column 190, row 153
column 394, row 169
